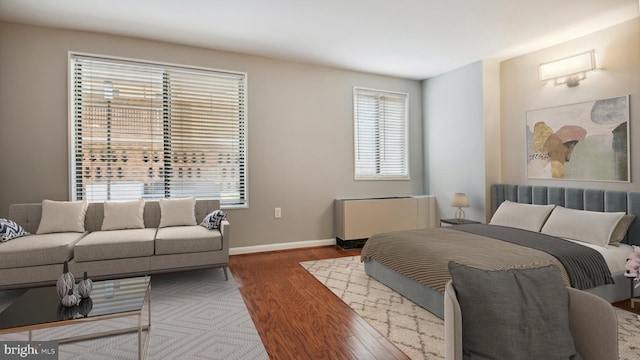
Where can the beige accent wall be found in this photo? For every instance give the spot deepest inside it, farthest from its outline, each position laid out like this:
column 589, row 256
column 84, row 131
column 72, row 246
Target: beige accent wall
column 492, row 134
column 619, row 48
column 300, row 129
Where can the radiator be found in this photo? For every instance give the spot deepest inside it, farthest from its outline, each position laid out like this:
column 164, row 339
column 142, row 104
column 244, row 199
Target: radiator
column 357, row 219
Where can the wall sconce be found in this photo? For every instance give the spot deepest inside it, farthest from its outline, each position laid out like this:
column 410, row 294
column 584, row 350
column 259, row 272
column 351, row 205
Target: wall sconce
column 459, row 201
column 569, row 70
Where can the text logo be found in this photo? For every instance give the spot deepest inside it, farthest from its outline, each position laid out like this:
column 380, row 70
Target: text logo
column 32, row 350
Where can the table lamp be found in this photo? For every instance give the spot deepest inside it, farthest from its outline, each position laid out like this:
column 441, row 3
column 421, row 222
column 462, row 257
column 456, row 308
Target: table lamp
column 460, row 201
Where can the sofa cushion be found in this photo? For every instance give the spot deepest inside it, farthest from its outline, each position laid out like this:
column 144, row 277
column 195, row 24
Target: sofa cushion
column 34, row 250
column 120, row 215
column 62, row 216
column 187, row 239
column 177, row 212
column 115, row 244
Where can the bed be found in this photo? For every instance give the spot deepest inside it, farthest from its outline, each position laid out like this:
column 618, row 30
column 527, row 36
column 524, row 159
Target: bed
column 414, row 263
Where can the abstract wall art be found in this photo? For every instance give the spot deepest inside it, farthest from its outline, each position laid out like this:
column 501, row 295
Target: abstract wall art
column 584, row 141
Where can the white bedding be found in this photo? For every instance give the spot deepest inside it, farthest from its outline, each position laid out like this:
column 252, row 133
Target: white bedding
column 614, row 256
column 594, row 229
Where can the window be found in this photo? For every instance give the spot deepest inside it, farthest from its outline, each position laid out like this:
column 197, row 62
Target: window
column 380, row 130
column 144, row 130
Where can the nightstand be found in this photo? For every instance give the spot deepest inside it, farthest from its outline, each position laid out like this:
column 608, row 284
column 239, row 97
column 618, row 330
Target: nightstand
column 450, row 222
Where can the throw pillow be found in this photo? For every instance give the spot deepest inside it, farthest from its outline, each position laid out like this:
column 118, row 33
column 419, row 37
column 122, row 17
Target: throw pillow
column 213, row 220
column 178, row 212
column 522, row 216
column 10, row 230
column 620, row 231
column 593, row 227
column 508, row 313
column 62, row 216
column 123, row 215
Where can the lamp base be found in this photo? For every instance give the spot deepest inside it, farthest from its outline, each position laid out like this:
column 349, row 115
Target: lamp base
column 460, row 215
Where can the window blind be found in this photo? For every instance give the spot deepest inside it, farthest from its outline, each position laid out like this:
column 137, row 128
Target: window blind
column 143, row 130
column 380, row 130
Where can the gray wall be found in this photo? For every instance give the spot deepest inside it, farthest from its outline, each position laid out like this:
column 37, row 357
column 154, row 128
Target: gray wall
column 300, row 129
column 454, row 138
column 619, row 48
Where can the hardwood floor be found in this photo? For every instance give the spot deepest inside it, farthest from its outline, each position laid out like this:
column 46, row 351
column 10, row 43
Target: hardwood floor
column 626, row 304
column 299, row 318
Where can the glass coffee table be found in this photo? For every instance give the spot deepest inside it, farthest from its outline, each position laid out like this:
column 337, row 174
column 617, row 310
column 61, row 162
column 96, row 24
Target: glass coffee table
column 40, row 308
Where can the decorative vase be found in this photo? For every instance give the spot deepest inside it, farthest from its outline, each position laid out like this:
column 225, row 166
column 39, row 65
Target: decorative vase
column 65, row 281
column 85, row 286
column 70, row 300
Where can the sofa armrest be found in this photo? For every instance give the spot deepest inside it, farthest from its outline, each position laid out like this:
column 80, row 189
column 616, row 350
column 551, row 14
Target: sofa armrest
column 594, row 325
column 26, row 215
column 452, row 324
column 225, row 230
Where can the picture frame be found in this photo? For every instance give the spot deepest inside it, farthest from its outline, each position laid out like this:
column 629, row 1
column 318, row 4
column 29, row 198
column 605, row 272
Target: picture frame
column 582, row 141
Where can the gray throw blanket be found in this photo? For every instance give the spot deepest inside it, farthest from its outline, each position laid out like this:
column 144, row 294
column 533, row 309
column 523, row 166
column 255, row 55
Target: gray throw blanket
column 586, row 267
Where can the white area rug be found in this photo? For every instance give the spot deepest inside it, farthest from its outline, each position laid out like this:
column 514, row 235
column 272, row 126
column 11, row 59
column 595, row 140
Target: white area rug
column 194, row 315
column 414, row 330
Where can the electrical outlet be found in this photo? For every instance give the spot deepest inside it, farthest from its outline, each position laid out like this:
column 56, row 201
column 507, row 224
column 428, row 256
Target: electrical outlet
column 277, row 213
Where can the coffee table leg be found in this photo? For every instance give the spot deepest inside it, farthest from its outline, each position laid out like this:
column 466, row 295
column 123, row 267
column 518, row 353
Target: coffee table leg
column 149, row 307
column 142, row 349
column 30, row 335
column 140, row 336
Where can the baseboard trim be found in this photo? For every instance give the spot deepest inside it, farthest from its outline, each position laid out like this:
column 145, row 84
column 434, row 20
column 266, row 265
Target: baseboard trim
column 280, row 246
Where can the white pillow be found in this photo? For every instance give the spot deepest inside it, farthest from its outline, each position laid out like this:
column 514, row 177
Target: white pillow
column 62, row 216
column 177, row 212
column 123, row 215
column 593, row 227
column 522, row 216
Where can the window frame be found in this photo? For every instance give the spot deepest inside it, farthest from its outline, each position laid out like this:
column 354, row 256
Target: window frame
column 243, row 201
column 404, row 134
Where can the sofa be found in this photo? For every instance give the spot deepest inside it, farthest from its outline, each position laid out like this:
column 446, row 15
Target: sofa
column 164, row 241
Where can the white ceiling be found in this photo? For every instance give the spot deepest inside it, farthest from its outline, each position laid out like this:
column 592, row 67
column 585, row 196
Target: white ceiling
column 407, row 38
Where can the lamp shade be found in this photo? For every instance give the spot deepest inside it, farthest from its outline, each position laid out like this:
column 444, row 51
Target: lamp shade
column 569, row 70
column 459, row 200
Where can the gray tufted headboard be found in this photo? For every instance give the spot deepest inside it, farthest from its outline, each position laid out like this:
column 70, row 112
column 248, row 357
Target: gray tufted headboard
column 574, row 198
